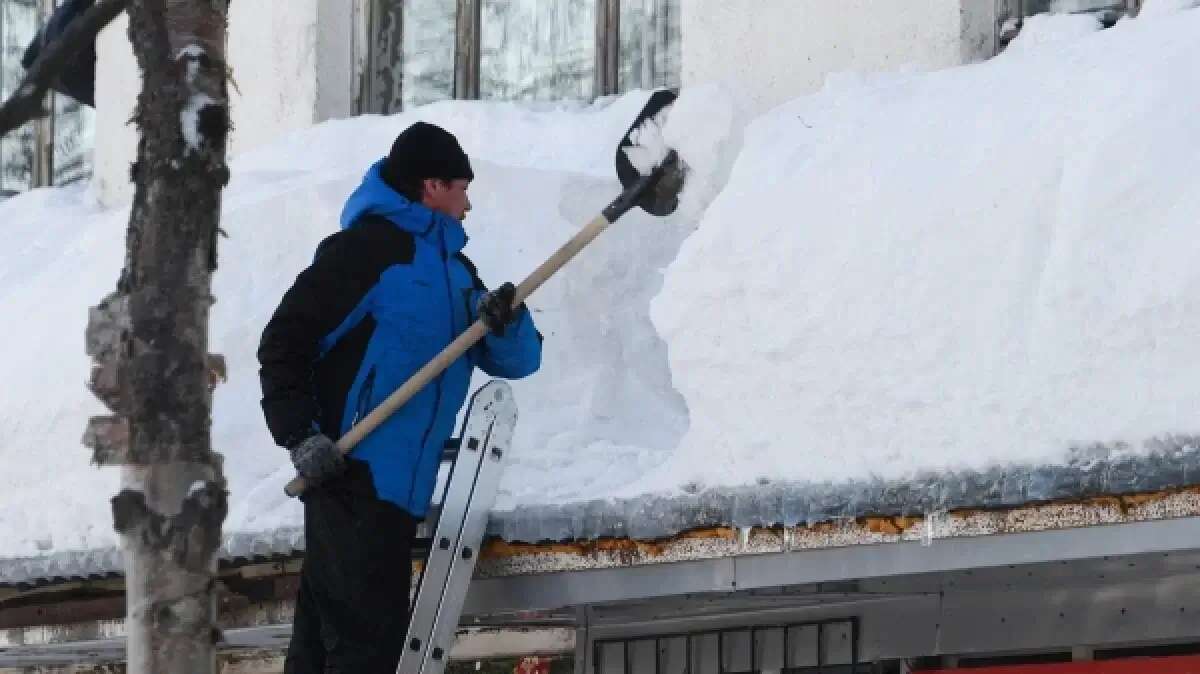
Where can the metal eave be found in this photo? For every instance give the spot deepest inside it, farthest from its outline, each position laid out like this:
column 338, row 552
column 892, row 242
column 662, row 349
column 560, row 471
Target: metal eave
column 800, row 567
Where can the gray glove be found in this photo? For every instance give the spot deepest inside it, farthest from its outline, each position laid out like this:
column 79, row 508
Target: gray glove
column 317, row 459
column 496, row 308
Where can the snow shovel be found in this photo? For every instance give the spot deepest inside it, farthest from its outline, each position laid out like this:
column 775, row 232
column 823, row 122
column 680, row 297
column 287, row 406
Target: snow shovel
column 656, row 192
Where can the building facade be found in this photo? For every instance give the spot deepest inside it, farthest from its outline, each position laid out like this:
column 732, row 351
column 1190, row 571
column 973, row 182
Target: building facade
column 306, row 61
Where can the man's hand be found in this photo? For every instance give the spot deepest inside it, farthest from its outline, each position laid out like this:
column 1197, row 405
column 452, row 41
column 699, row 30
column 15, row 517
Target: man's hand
column 317, row 459
column 496, row 308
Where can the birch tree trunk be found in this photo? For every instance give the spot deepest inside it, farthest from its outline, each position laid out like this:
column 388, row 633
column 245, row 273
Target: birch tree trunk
column 149, row 342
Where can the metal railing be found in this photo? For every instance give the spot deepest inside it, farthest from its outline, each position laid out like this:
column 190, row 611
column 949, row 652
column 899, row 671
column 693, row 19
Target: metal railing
column 825, row 647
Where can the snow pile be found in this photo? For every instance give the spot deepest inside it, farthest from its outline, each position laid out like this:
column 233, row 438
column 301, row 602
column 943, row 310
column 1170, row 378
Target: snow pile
column 961, row 269
column 649, row 148
column 704, row 126
column 61, row 255
column 604, row 400
column 1042, row 30
column 1153, row 8
column 979, row 266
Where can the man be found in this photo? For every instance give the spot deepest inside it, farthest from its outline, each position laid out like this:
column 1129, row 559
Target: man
column 381, row 298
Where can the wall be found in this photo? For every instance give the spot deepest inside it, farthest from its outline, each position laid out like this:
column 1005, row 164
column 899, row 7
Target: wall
column 291, row 68
column 300, row 65
column 779, row 49
column 117, row 84
column 341, row 56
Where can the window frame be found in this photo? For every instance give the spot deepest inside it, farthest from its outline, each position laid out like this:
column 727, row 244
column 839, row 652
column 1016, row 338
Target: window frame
column 467, row 53
column 42, row 168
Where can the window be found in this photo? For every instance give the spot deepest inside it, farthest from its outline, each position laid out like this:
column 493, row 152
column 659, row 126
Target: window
column 56, row 150
column 71, row 155
column 649, row 44
column 537, row 49
column 18, row 23
column 1070, row 6
column 411, row 54
column 427, row 50
column 1011, row 14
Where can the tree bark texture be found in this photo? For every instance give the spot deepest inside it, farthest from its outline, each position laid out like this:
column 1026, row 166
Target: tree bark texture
column 149, row 341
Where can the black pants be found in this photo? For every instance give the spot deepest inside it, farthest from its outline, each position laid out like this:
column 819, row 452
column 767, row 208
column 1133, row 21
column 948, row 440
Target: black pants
column 353, row 605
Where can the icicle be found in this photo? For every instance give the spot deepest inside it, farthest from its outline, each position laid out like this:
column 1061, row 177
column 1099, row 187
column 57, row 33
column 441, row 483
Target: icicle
column 931, row 526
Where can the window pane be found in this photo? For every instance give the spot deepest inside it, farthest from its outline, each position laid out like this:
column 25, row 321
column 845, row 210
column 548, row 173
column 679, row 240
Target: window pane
column 73, row 125
column 411, row 54
column 429, row 28
column 768, row 648
column 537, row 49
column 672, row 655
column 837, row 643
column 802, row 646
column 706, row 650
column 642, row 655
column 736, row 652
column 612, row 658
column 18, row 23
column 650, row 38
column 1066, row 6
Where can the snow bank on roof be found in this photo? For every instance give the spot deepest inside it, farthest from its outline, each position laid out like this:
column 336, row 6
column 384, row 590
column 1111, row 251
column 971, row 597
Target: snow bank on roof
column 562, row 136
column 1159, row 7
column 60, row 256
column 603, row 410
column 979, row 266
column 1048, row 30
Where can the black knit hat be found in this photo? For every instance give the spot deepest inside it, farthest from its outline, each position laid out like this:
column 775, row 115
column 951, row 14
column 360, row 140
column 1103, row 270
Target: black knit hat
column 425, row 151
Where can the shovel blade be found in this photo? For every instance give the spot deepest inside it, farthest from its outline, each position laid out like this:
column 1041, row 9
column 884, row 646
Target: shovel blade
column 662, row 197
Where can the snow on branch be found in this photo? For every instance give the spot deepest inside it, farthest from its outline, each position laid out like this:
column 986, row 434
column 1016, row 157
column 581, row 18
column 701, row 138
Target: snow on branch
column 203, row 117
column 26, row 103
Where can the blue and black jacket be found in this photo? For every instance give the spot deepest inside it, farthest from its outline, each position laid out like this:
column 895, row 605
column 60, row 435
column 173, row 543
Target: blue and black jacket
column 381, row 298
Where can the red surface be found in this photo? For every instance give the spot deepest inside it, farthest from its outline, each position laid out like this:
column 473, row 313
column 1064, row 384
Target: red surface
column 536, row 665
column 1181, row 664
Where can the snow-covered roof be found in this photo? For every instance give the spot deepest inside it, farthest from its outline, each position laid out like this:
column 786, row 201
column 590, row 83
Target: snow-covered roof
column 102, row 563
column 1097, row 471
column 907, row 291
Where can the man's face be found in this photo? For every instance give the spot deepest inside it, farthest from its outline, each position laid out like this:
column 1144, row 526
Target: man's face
column 448, row 196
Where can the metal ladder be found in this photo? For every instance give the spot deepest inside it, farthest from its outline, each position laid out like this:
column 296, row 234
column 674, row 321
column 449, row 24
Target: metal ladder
column 458, row 527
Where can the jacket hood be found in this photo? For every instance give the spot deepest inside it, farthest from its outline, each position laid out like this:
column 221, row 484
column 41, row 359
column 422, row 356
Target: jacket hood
column 376, row 197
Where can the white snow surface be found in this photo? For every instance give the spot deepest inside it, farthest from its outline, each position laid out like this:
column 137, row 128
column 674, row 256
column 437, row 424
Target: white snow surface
column 1159, row 7
column 649, row 148
column 959, row 269
column 1042, row 30
column 902, row 273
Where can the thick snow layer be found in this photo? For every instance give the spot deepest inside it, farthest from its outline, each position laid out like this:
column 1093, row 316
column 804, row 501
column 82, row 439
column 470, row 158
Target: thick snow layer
column 967, row 268
column 604, row 398
column 60, row 256
column 1048, row 30
column 1158, row 7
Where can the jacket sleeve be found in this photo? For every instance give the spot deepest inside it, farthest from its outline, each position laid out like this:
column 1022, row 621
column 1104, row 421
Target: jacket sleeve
column 515, row 355
column 326, row 300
